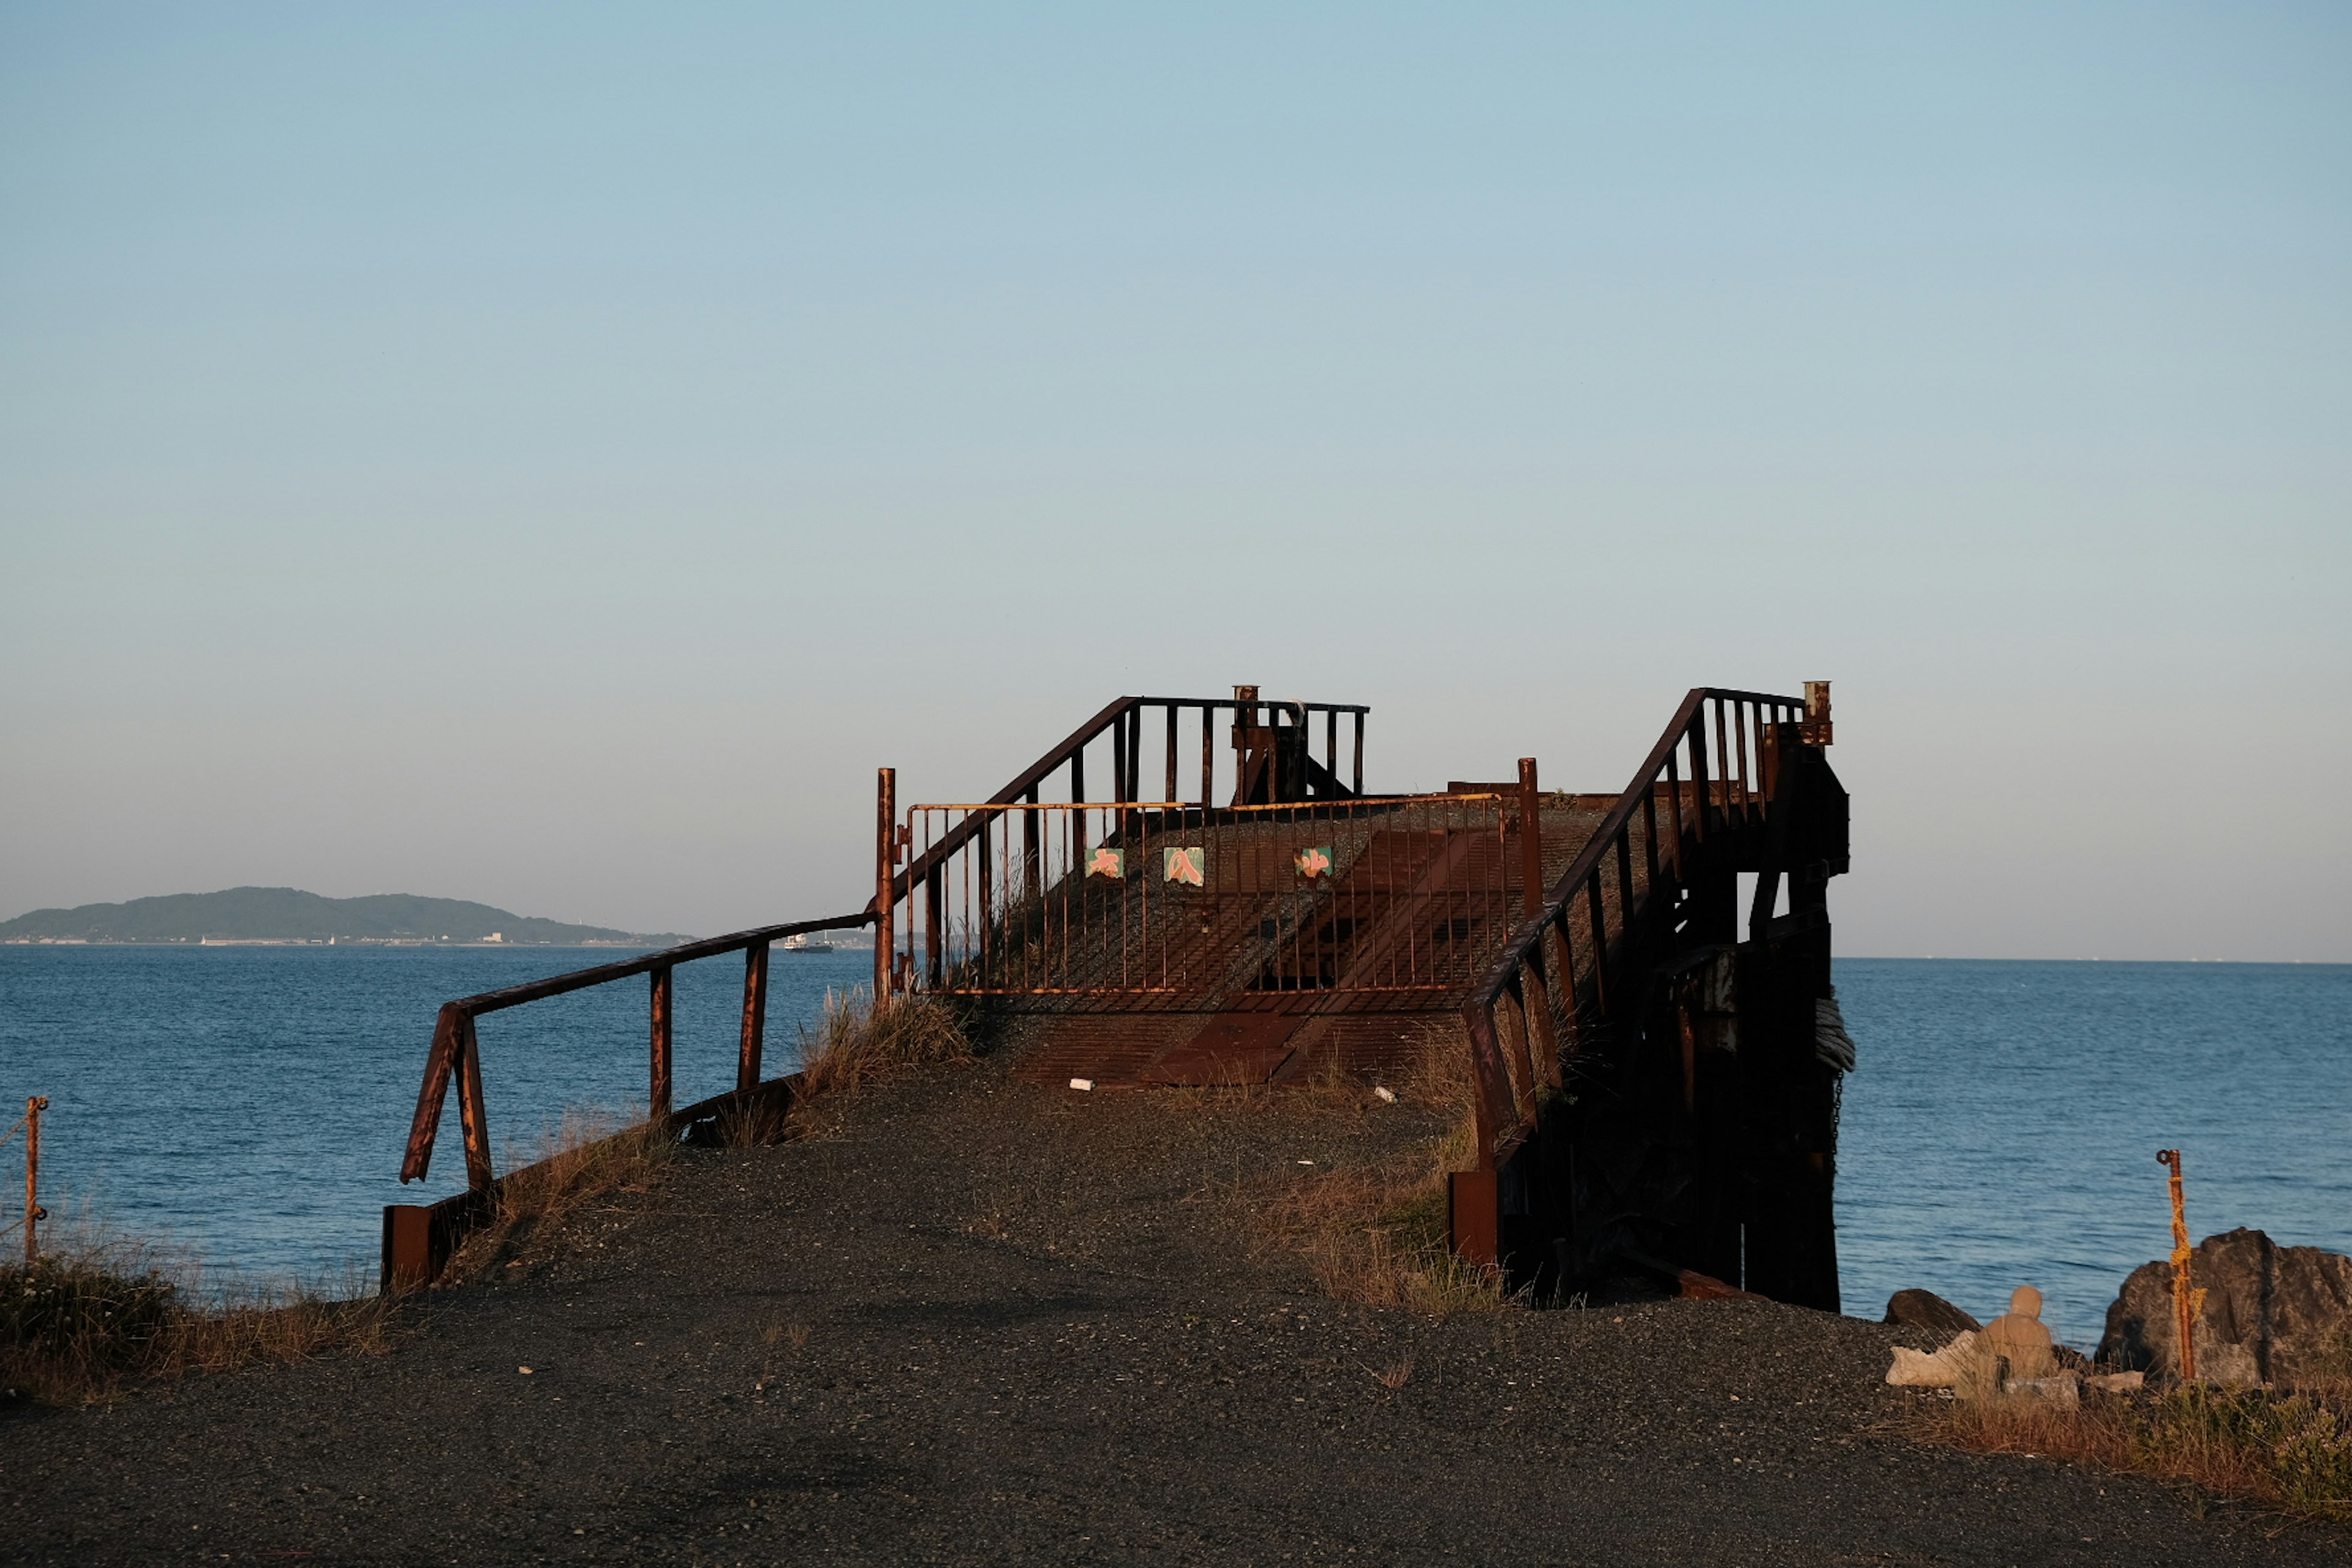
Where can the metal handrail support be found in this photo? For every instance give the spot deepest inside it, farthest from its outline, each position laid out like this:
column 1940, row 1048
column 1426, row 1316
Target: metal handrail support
column 1740, row 790
column 457, row 1055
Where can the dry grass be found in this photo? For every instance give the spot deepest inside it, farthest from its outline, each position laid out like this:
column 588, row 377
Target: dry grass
column 586, row 1154
column 2284, row 1450
column 590, row 1153
column 1375, row 1234
column 91, row 1316
column 856, row 1044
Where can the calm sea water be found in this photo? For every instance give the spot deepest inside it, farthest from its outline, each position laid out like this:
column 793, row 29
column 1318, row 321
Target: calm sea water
column 250, row 1102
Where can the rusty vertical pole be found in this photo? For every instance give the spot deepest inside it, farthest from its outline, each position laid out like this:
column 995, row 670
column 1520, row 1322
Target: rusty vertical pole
column 1817, row 729
column 1032, row 850
column 1119, row 759
column 1208, row 754
column 1531, row 839
column 664, row 994
column 2186, row 1301
column 34, row 1212
column 473, row 1115
column 886, row 856
column 755, row 1017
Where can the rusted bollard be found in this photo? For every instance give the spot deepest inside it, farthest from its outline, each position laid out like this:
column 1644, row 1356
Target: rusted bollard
column 34, row 1212
column 2187, row 1302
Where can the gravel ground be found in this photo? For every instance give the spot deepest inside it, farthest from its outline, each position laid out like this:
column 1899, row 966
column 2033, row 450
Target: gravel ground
column 983, row 1322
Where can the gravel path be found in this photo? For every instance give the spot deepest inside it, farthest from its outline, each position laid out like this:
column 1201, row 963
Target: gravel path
column 984, row 1322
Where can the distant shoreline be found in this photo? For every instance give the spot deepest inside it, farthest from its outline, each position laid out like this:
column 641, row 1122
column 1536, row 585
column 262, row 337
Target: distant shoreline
column 309, row 942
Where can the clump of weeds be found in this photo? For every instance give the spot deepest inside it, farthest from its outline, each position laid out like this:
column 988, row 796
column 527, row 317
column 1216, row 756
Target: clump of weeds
column 89, row 1316
column 2288, row 1450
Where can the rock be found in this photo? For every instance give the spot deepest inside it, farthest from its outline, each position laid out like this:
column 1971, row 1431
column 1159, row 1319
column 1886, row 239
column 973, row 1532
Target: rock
column 1926, row 1310
column 2272, row 1314
column 1938, row 1369
column 2116, row 1382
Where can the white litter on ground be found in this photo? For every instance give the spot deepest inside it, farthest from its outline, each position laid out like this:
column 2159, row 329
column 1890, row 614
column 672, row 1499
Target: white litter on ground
column 1082, row 1083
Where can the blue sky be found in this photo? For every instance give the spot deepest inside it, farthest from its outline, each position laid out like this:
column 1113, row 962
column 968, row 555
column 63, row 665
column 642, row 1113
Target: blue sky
column 552, row 455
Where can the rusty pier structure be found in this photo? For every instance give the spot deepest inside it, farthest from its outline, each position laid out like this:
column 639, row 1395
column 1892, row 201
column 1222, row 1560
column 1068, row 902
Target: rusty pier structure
column 1639, row 981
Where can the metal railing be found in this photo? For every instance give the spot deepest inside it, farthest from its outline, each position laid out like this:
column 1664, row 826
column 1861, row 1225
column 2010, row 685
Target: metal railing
column 1176, row 903
column 29, row 1124
column 455, row 1053
column 1273, row 761
column 1551, row 985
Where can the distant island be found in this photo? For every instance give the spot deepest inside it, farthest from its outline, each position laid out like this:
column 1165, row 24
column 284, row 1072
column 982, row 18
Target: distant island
column 290, row 915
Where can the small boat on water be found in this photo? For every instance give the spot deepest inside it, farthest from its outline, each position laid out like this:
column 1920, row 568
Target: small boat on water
column 799, row 943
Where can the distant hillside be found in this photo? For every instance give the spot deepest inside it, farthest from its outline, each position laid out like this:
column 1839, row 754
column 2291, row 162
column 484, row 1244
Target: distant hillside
column 287, row 914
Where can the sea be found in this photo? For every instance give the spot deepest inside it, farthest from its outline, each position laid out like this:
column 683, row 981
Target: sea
column 245, row 1108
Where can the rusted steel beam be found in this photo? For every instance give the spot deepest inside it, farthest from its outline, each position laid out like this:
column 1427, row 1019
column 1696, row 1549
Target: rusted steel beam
column 1473, row 1216
column 1817, row 730
column 34, row 1212
column 664, row 996
column 1624, row 877
column 886, row 899
column 1699, row 788
column 934, row 892
column 1531, row 839
column 1523, row 1081
column 1117, row 759
column 473, row 1111
column 1208, row 754
column 1493, row 1114
column 438, row 1061
column 685, row 952
column 1600, row 942
column 1723, row 760
column 754, row 1042
column 1033, row 865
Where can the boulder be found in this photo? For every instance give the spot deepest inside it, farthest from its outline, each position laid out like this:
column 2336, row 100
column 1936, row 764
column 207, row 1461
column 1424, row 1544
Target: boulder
column 1926, row 1310
column 2273, row 1314
column 1939, row 1369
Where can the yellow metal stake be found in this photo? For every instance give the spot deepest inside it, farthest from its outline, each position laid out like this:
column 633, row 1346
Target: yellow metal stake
column 2186, row 1303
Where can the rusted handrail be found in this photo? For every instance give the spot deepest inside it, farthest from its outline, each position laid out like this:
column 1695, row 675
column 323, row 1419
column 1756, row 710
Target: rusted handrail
column 1128, row 711
column 457, row 1054
column 1187, row 883
column 1734, row 793
column 1122, row 720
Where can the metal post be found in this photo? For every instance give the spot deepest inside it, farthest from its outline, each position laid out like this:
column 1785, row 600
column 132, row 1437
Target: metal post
column 1817, row 730
column 658, row 1094
column 2187, row 1302
column 1530, row 838
column 886, row 856
column 755, row 1017
column 1208, row 754
column 473, row 1115
column 34, row 1212
column 1032, row 865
